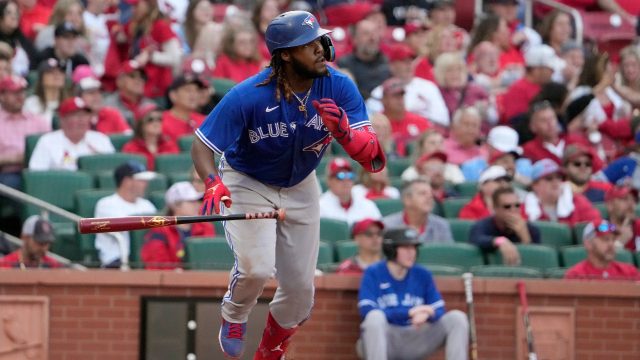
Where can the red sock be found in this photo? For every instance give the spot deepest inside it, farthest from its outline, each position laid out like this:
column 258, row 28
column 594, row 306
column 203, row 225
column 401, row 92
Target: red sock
column 275, row 340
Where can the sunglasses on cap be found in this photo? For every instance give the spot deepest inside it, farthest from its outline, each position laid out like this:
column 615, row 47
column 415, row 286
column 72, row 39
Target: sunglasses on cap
column 606, row 227
column 344, row 175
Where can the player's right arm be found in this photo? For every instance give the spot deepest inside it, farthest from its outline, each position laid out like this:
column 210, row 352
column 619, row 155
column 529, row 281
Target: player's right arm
column 216, row 191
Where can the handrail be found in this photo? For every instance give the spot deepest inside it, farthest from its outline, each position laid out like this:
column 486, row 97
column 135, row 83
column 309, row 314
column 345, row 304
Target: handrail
column 49, row 208
column 575, row 14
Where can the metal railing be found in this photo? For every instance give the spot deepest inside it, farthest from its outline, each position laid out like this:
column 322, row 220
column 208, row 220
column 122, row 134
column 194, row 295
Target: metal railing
column 47, row 208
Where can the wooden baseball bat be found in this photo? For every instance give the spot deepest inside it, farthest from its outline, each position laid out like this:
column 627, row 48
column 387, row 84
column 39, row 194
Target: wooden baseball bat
column 468, row 291
column 127, row 223
column 525, row 317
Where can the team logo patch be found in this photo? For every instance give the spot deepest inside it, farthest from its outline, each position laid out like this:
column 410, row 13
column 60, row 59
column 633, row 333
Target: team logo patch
column 309, row 21
column 319, row 146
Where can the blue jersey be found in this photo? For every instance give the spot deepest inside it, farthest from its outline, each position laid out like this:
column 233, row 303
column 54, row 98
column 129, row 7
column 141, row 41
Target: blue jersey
column 274, row 142
column 379, row 290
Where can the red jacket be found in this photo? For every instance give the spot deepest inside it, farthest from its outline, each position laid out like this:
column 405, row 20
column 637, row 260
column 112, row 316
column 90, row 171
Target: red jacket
column 583, row 212
column 475, row 209
column 174, row 127
column 13, row 260
column 516, row 99
column 349, row 266
column 164, row 247
column 138, row 146
column 534, row 150
column 614, row 271
column 110, row 121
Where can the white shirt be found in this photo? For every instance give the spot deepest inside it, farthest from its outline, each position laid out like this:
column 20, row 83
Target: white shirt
column 54, row 151
column 98, row 34
column 113, row 206
column 361, row 208
column 421, row 97
column 34, row 106
column 360, row 190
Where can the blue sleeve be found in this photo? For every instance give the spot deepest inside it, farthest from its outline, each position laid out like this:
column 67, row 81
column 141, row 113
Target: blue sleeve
column 351, row 101
column 433, row 298
column 224, row 124
column 482, row 236
column 620, row 169
column 367, row 300
column 534, row 232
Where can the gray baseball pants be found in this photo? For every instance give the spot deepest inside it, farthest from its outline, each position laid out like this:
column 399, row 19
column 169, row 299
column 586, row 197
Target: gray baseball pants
column 264, row 248
column 380, row 340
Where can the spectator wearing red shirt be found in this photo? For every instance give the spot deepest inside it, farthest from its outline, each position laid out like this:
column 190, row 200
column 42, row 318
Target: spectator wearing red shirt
column 548, row 142
column 432, row 166
column 496, row 30
column 553, row 200
column 463, row 142
column 367, row 234
column 182, row 117
column 405, row 126
column 129, row 95
column 599, row 238
column 621, row 202
column 578, row 165
column 240, row 56
column 106, row 120
column 164, row 247
column 33, row 17
column 541, row 61
column 37, row 236
column 415, row 36
column 481, row 205
column 148, row 139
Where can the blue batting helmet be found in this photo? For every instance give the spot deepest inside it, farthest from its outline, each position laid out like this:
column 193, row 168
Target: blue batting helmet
column 295, row 28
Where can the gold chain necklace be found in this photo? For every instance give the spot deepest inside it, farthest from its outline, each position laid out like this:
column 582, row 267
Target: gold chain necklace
column 303, row 102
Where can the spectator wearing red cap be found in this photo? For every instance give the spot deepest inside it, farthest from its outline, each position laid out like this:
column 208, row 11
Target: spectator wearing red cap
column 150, row 41
column 106, row 119
column 182, row 117
column 481, row 205
column 405, row 125
column 552, row 200
column 60, row 150
column 338, row 201
column 164, row 247
column 599, row 239
column 49, row 90
column 463, row 143
column 621, row 202
column 418, row 203
column 422, row 97
column 578, row 165
column 148, row 139
column 239, row 56
column 37, row 236
column 367, row 234
column 129, row 95
column 33, row 17
column 369, row 66
column 16, row 125
column 64, row 49
column 415, row 36
column 433, row 167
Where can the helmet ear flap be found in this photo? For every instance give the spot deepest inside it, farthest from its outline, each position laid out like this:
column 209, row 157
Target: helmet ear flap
column 327, row 46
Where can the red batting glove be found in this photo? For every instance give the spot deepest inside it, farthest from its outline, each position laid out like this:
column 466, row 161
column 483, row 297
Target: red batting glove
column 333, row 117
column 215, row 192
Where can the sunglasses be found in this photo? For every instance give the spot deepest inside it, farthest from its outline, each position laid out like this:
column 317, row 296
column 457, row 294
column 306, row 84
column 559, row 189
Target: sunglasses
column 510, row 206
column 154, row 118
column 344, row 175
column 606, row 228
column 581, row 164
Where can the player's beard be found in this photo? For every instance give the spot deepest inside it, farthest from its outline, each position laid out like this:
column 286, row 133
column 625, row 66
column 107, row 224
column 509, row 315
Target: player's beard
column 305, row 71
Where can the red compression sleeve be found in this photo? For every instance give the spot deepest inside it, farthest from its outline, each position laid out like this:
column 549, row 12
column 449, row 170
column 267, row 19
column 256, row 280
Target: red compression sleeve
column 363, row 146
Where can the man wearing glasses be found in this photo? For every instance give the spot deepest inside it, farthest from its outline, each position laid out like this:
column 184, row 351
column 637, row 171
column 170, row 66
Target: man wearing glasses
column 577, row 163
column 550, row 199
column 599, row 238
column 338, row 202
column 505, row 228
column 367, row 234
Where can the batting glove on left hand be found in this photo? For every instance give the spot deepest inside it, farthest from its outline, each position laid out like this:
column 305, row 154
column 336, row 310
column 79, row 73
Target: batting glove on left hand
column 215, row 193
column 333, row 117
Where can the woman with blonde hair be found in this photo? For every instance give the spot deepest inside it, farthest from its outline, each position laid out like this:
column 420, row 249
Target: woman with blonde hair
column 627, row 81
column 240, row 57
column 69, row 11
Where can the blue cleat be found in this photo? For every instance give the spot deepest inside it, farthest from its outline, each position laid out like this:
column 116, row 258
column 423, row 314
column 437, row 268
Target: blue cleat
column 231, row 338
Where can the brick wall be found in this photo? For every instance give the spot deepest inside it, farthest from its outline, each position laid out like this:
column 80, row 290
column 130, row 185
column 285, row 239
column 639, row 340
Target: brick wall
column 95, row 315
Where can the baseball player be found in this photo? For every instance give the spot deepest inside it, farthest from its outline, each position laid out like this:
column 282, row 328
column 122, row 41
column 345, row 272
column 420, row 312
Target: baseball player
column 272, row 131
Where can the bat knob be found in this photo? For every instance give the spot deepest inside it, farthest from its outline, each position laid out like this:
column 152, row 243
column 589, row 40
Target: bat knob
column 281, row 214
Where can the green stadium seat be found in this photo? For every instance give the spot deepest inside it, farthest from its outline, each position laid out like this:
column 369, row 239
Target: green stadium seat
column 106, row 181
column 346, row 249
column 539, row 257
column 177, row 177
column 85, row 207
column 184, row 143
column 57, row 187
column 451, row 207
column 174, row 163
column 602, row 207
column 222, row 85
column 321, row 170
column 157, row 198
column 30, row 144
column 332, row 230
column 337, row 150
column 396, row 182
column 555, row 273
column 445, row 270
column 209, row 253
column 98, row 163
column 398, row 166
column 554, row 234
column 572, row 255
column 460, row 229
column 389, row 206
column 118, row 140
column 578, row 229
column 466, row 189
column 455, row 254
column 66, row 243
column 135, row 248
column 325, row 254
column 506, row 271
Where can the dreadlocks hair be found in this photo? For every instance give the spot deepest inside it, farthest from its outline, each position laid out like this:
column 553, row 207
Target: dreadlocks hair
column 277, row 72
